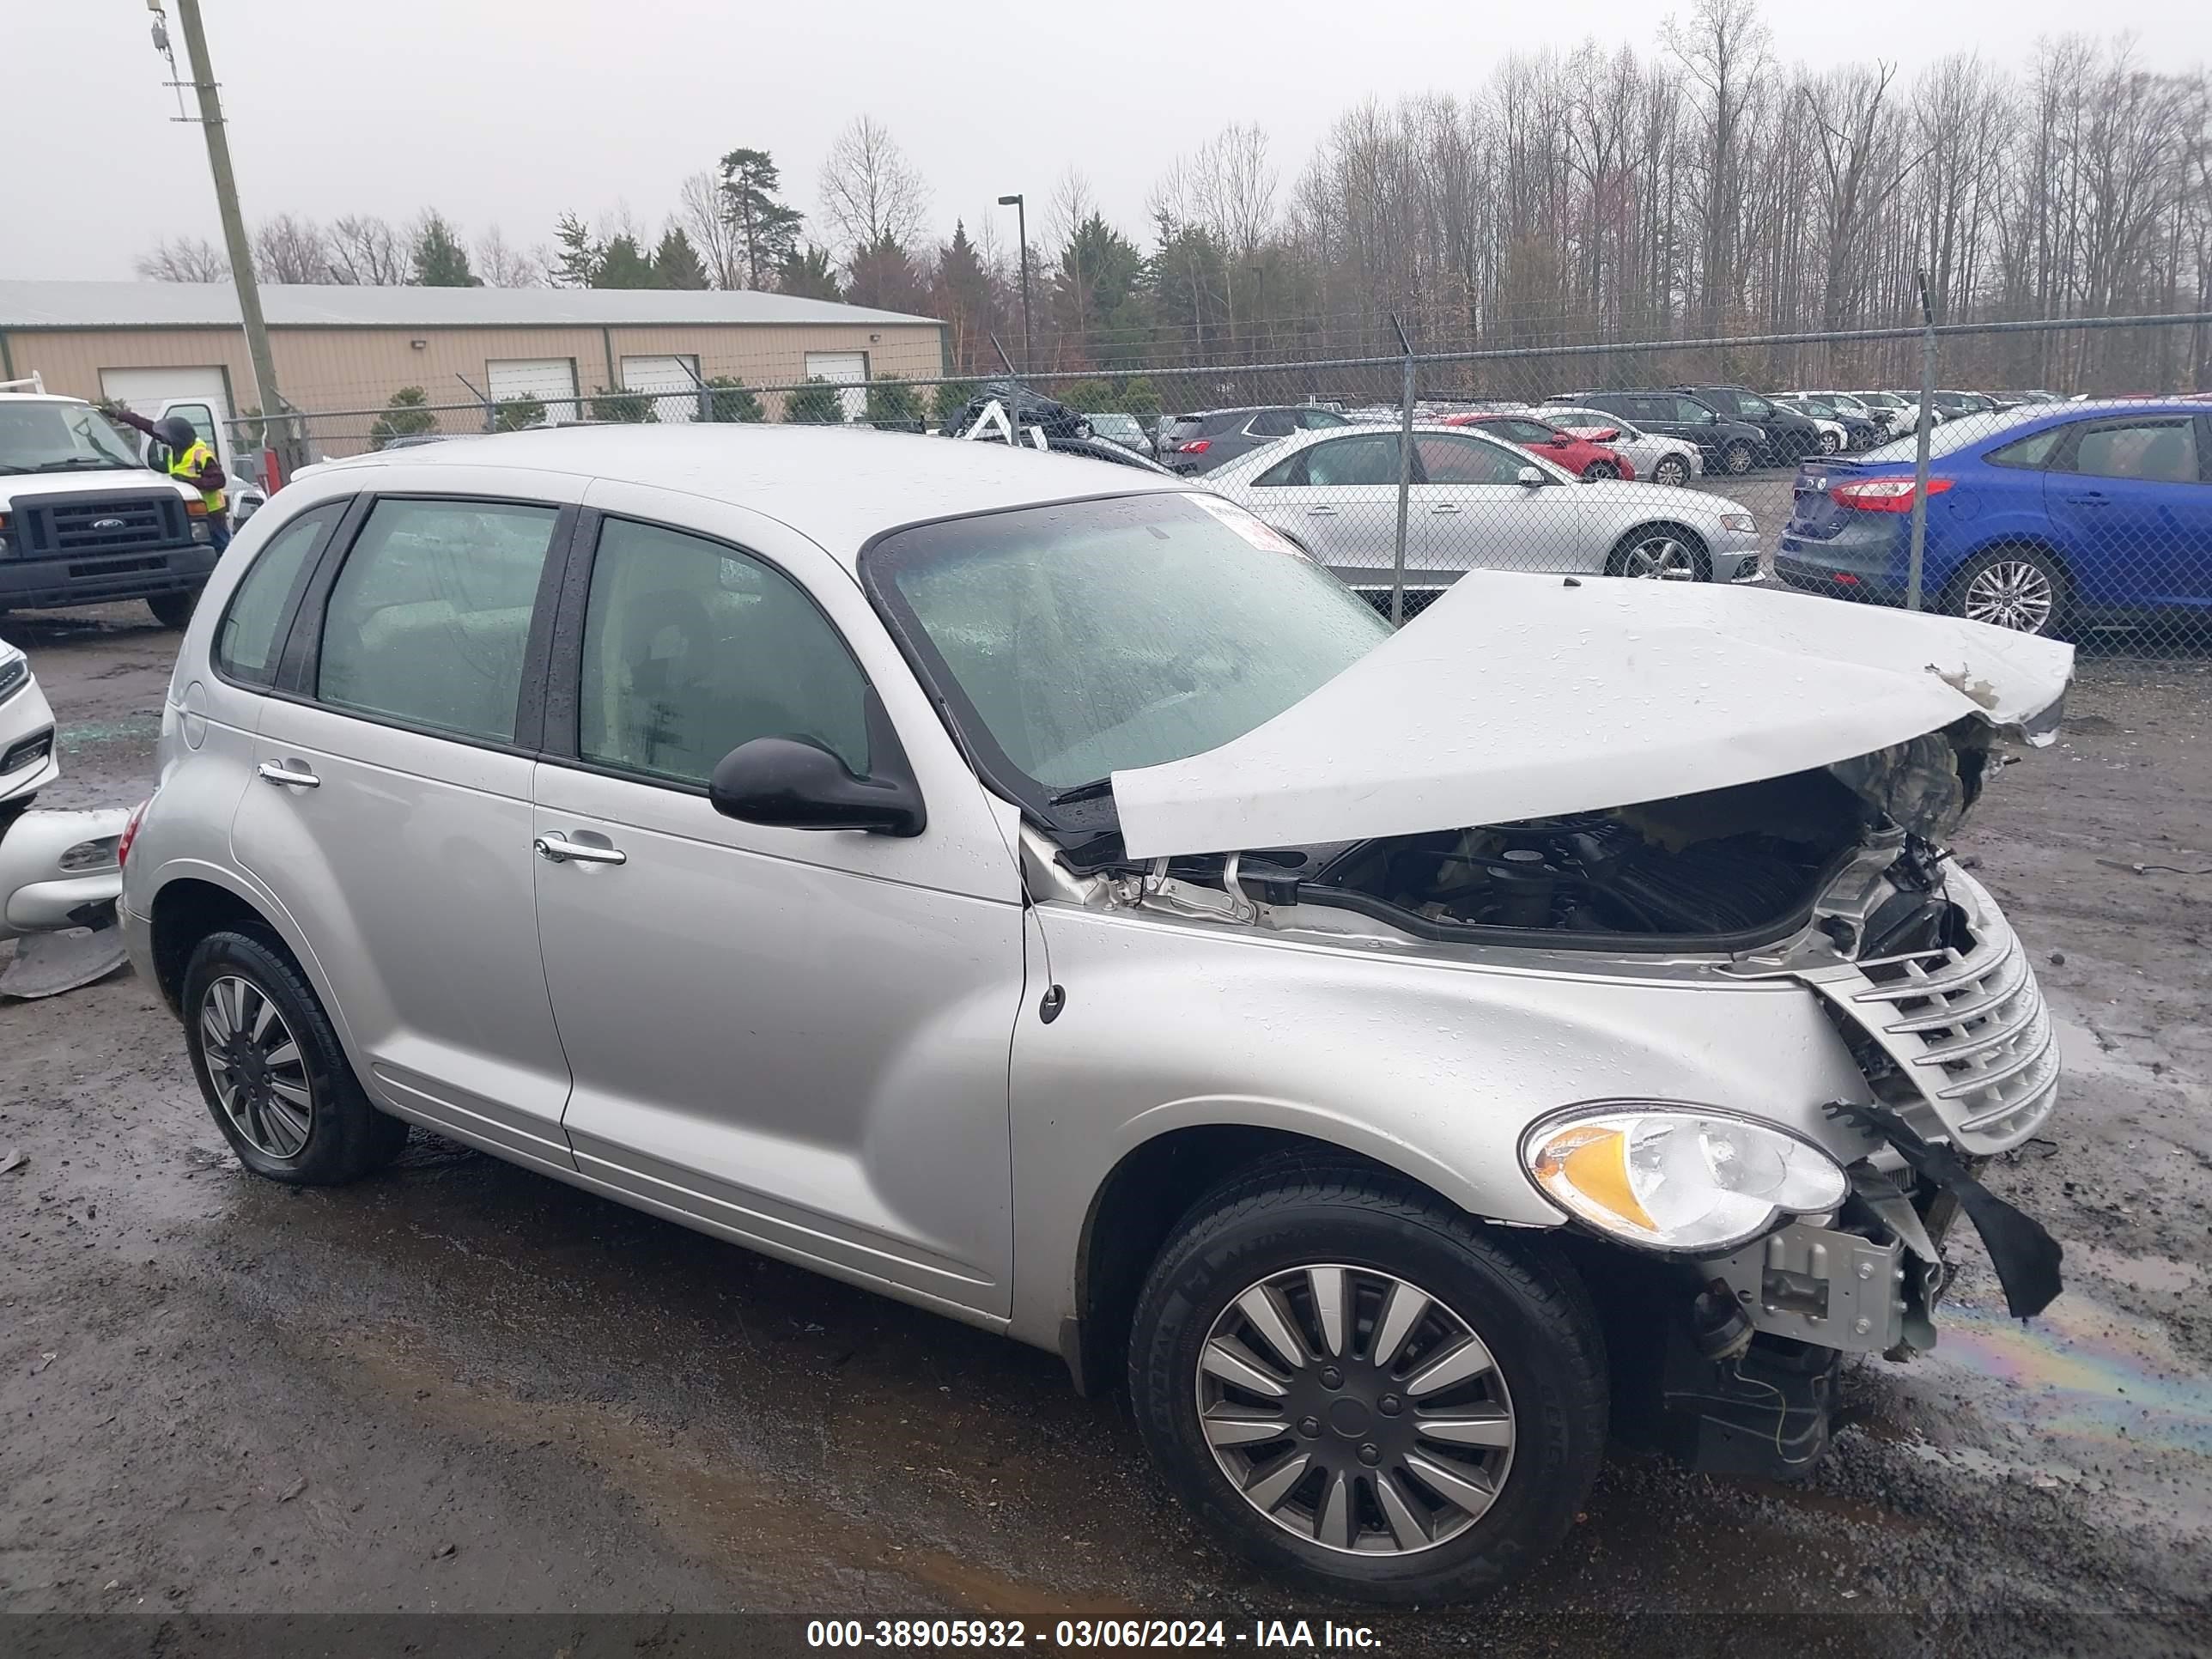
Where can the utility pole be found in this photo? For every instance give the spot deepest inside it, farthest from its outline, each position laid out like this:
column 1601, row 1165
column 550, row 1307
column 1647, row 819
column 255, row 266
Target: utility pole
column 1021, row 233
column 234, row 221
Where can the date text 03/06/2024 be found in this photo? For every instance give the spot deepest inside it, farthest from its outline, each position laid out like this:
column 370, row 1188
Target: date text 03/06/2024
column 936, row 1634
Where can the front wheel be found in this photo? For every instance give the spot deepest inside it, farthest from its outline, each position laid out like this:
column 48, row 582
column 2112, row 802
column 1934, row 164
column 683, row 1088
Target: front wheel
column 2021, row 588
column 1660, row 552
column 1737, row 458
column 1672, row 471
column 174, row 610
column 1362, row 1392
column 1598, row 469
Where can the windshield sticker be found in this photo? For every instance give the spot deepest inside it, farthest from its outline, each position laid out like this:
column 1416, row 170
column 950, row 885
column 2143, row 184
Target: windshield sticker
column 1264, row 536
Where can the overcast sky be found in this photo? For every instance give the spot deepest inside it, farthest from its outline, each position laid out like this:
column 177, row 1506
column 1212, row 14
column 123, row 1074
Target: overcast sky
column 506, row 113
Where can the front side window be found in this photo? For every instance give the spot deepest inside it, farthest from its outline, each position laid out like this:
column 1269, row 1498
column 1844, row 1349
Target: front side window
column 1272, row 423
column 2157, row 451
column 1451, row 460
column 1370, row 458
column 692, row 648
column 1691, row 412
column 245, row 642
column 429, row 620
column 1090, row 637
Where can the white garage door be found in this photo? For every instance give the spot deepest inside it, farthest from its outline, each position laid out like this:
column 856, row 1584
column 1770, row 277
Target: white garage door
column 552, row 381
column 143, row 391
column 676, row 394
column 843, row 368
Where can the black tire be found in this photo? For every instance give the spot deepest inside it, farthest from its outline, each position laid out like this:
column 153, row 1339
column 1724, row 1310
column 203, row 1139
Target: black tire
column 1618, row 562
column 346, row 1137
column 1671, row 471
column 174, row 610
column 1526, row 1305
column 2017, row 570
column 1597, row 470
column 1737, row 458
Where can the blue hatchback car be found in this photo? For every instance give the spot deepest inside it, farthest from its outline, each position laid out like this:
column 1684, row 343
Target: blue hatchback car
column 2041, row 518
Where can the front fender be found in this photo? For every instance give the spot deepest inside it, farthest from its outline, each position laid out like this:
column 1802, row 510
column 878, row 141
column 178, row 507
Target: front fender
column 1429, row 1060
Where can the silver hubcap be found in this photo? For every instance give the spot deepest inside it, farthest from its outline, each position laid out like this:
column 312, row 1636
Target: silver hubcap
column 1354, row 1410
column 259, row 1075
column 1670, row 472
column 1739, row 460
column 1828, row 444
column 2012, row 593
column 1661, row 558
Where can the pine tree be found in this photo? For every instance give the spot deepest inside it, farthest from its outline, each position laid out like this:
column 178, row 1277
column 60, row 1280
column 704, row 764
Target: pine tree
column 963, row 296
column 767, row 230
column 892, row 401
column 675, row 262
column 405, row 417
column 623, row 263
column 730, row 400
column 816, row 403
column 440, row 261
column 577, row 263
column 808, row 273
column 881, row 274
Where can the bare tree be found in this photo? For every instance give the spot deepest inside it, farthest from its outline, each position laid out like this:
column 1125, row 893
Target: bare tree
column 501, row 265
column 870, row 193
column 369, row 252
column 183, row 259
column 290, row 249
column 1723, row 48
column 702, row 213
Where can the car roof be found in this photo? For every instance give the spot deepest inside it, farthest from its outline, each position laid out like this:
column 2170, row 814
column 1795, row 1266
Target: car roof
column 835, row 486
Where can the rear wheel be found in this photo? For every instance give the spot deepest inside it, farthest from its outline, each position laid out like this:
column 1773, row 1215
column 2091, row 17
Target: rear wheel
column 1660, row 552
column 1358, row 1390
column 1829, row 442
column 1671, row 469
column 272, row 1070
column 174, row 610
column 1738, row 457
column 2021, row 588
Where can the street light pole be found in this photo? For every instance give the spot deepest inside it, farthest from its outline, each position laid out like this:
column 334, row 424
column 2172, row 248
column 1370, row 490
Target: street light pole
column 1022, row 230
column 234, row 221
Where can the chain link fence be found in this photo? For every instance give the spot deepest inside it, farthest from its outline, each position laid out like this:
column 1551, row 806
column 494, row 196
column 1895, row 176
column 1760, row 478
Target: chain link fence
column 2068, row 475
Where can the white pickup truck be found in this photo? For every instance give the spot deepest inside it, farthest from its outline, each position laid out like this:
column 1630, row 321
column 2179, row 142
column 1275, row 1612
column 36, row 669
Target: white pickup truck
column 88, row 514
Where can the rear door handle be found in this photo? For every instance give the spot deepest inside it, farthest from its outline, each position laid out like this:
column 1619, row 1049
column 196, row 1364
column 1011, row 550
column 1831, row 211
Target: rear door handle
column 2088, row 497
column 557, row 848
column 1445, row 507
column 295, row 777
column 1321, row 512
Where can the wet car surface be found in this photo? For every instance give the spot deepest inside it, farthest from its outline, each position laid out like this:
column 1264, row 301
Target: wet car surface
column 463, row 1388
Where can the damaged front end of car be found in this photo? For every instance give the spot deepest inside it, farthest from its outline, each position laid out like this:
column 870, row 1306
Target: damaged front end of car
column 1742, row 1254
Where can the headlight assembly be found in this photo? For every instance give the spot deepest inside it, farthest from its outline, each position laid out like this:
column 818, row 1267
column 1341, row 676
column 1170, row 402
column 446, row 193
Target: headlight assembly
column 1741, row 522
column 1678, row 1178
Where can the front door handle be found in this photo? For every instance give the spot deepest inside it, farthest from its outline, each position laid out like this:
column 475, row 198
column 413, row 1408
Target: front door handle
column 295, row 777
column 2088, row 498
column 1445, row 507
column 557, row 848
column 1321, row 512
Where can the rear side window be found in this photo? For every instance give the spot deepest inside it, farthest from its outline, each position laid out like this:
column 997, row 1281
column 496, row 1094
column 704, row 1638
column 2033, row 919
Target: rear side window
column 245, row 642
column 1284, row 474
column 692, row 648
column 429, row 620
column 1320, row 420
column 2033, row 452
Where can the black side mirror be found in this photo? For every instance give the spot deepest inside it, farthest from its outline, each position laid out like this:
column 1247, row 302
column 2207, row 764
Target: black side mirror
column 794, row 783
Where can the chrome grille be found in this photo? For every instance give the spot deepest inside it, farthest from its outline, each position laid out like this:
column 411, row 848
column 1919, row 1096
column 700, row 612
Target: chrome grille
column 1966, row 1029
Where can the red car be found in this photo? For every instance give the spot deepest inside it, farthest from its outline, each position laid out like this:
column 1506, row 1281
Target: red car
column 1581, row 455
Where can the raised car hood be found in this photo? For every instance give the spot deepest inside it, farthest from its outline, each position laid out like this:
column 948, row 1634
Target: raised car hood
column 1517, row 697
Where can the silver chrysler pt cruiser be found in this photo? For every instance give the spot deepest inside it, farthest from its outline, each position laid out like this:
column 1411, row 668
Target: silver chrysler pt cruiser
column 1041, row 892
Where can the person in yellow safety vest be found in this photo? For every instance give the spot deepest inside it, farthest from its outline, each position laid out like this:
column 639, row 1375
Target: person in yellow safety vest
column 191, row 462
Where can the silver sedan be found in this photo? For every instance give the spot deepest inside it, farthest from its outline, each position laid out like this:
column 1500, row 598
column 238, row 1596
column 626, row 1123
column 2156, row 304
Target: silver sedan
column 1475, row 503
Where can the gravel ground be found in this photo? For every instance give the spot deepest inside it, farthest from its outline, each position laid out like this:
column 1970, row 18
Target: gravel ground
column 463, row 1389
